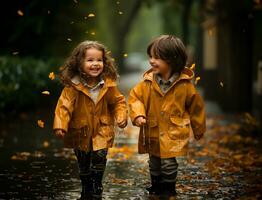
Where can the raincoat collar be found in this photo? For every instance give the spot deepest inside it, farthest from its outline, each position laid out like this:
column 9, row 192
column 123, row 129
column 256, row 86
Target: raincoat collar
column 107, row 82
column 186, row 73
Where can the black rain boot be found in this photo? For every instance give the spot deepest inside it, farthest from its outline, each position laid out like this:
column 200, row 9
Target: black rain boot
column 169, row 189
column 97, row 177
column 87, row 191
column 155, row 185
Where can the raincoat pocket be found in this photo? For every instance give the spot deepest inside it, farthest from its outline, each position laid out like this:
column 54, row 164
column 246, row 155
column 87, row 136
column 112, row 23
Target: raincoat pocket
column 179, row 128
column 106, row 126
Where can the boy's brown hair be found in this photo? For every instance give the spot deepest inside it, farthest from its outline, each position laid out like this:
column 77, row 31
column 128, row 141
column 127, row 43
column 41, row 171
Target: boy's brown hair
column 74, row 63
column 170, row 49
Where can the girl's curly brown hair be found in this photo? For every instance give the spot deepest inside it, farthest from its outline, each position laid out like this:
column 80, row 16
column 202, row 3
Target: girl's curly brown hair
column 74, row 63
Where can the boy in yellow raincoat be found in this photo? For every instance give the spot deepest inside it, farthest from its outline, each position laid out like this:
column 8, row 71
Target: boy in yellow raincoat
column 166, row 105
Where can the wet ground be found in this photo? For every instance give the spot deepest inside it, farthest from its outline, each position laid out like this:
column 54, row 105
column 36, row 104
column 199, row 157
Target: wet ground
column 225, row 164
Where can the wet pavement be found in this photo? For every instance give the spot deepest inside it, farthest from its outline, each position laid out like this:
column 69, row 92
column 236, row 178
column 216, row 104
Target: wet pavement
column 225, row 164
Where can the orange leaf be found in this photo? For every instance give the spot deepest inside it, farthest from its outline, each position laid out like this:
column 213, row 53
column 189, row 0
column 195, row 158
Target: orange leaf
column 20, row 12
column 46, row 144
column 40, row 123
column 52, row 76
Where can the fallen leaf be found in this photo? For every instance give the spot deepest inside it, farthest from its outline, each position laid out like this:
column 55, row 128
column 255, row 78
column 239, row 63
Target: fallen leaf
column 46, row 144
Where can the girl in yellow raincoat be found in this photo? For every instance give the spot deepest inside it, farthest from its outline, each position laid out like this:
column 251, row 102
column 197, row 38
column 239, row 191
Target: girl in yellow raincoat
column 166, row 105
column 89, row 106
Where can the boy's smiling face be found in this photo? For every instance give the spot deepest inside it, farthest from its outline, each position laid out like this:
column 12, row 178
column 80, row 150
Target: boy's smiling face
column 160, row 67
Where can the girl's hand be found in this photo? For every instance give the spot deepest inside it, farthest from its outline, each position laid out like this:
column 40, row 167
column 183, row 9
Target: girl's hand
column 140, row 121
column 121, row 124
column 59, row 133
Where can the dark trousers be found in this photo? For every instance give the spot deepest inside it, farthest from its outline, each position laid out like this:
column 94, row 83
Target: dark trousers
column 165, row 167
column 91, row 170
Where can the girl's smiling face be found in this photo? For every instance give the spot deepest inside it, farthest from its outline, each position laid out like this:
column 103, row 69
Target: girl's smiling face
column 93, row 62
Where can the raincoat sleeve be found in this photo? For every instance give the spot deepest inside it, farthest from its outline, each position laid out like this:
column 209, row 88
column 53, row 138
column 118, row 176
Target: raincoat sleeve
column 64, row 108
column 135, row 102
column 196, row 109
column 118, row 103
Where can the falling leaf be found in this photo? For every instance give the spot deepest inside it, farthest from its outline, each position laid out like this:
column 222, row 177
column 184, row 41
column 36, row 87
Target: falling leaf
column 20, row 12
column 197, row 79
column 46, row 92
column 193, row 66
column 15, row 53
column 221, row 84
column 69, row 39
column 46, row 144
column 91, row 15
column 52, row 76
column 41, row 123
column 120, row 13
column 125, row 55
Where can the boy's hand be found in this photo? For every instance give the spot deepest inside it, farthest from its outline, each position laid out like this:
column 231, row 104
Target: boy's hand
column 59, row 133
column 121, row 123
column 198, row 137
column 140, row 121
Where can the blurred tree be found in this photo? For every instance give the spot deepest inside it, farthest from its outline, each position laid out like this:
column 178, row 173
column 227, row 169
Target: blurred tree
column 115, row 19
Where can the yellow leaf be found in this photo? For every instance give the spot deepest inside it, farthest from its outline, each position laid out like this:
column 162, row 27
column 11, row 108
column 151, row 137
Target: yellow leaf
column 52, row 76
column 46, row 92
column 120, row 13
column 91, row 15
column 40, row 123
column 125, row 55
column 93, row 33
column 197, row 79
column 46, row 144
column 193, row 66
column 20, row 12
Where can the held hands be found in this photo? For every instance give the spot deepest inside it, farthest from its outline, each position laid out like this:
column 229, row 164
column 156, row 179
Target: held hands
column 140, row 121
column 60, row 133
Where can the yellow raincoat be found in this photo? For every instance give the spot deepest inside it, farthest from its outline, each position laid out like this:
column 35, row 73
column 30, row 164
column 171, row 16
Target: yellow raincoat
column 170, row 117
column 89, row 125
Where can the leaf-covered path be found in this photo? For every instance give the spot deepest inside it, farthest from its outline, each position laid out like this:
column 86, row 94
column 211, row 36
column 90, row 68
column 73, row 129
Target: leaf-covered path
column 225, row 164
